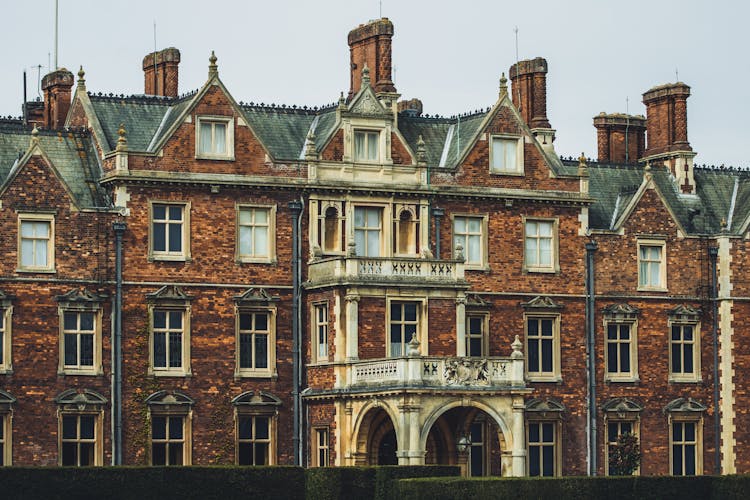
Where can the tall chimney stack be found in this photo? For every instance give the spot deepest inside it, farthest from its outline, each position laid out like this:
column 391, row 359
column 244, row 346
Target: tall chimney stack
column 529, row 91
column 370, row 44
column 57, row 87
column 620, row 138
column 160, row 72
column 666, row 118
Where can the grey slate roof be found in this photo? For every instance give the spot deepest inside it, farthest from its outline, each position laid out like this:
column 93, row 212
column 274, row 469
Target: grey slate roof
column 282, row 131
column 435, row 132
column 613, row 187
column 72, row 154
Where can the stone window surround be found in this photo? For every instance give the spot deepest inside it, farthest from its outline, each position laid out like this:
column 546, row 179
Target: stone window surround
column 554, row 266
column 91, row 303
column 483, row 265
column 556, row 374
column 519, row 171
column 270, row 257
column 258, row 404
column 39, row 216
column 211, row 119
column 172, row 404
column 182, row 256
column 314, row 354
column 422, row 321
column 653, row 241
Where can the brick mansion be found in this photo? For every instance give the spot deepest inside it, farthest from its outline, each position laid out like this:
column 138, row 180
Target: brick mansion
column 192, row 279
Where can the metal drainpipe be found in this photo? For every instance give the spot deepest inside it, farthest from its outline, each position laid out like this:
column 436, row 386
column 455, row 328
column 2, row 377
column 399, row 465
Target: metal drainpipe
column 591, row 247
column 119, row 229
column 296, row 208
column 713, row 253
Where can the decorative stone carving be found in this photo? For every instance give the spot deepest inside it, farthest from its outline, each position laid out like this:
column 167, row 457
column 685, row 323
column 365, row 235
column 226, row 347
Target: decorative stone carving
column 466, row 371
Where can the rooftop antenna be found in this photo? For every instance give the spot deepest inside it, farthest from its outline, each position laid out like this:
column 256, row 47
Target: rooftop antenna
column 518, row 89
column 627, row 126
column 39, row 81
column 676, row 75
column 380, row 4
column 155, row 78
column 56, row 22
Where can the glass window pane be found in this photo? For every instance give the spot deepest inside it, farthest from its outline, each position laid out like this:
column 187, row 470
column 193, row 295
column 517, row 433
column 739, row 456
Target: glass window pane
column 625, row 357
column 69, row 430
column 160, row 350
column 40, row 248
column 475, row 347
column 69, row 454
column 261, row 322
column 548, row 460
column 158, row 454
column 205, row 139
column 359, row 145
column 87, row 350
column 175, row 427
column 474, row 250
column 410, row 312
column 175, row 453
column 547, row 356
column 245, row 454
column 261, row 454
column 676, row 460
column 546, row 327
column 261, row 427
column 175, row 350
column 70, row 321
column 175, row 320
column 246, row 216
column 175, row 212
column 533, row 355
column 373, row 244
column 87, row 321
column 261, row 242
column 27, row 229
column 612, row 432
column 534, row 433
column 359, row 217
column 372, row 146
column 534, row 461
column 158, row 427
column 220, row 138
column 548, row 431
column 690, row 460
column 687, row 332
column 175, row 237
column 475, row 225
column 261, row 216
column 676, row 361
column 246, row 321
column 612, row 358
column 71, row 350
column 246, row 350
column 87, row 426
column 677, row 431
column 689, row 432
column 160, row 319
column 246, row 240
column 688, row 358
column 245, row 430
column 160, row 237
column 459, row 225
column 261, row 351
column 87, row 454
column 160, row 212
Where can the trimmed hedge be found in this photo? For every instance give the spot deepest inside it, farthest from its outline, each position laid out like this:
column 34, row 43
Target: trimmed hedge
column 367, row 483
column 577, row 488
column 141, row 483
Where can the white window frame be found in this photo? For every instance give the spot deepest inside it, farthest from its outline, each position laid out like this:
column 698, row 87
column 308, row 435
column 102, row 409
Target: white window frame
column 482, row 263
column 167, row 371
column 413, row 223
column 695, row 376
column 421, row 324
column 184, row 253
column 500, row 170
column 538, row 267
column 635, row 425
column 96, row 368
column 270, row 370
column 556, row 444
column 49, row 266
column 381, row 229
column 368, row 135
column 320, row 327
column 683, row 419
column 270, row 441
column 270, row 255
column 484, row 318
column 211, row 120
column 323, row 233
column 187, row 424
column 321, row 447
column 620, row 376
column 98, row 440
column 6, row 343
column 6, row 424
column 662, row 263
column 555, row 375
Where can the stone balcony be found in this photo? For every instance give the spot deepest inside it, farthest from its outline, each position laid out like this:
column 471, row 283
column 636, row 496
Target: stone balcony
column 386, row 270
column 493, row 373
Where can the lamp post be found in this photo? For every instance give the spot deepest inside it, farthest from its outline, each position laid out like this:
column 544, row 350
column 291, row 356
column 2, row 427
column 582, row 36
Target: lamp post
column 463, row 445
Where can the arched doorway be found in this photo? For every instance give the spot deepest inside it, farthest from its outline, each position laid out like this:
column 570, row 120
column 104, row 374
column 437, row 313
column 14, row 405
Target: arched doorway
column 468, row 437
column 377, row 442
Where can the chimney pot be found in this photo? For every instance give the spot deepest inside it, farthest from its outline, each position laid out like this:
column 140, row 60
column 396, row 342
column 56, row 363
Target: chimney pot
column 370, row 45
column 666, row 118
column 160, row 72
column 57, row 87
column 529, row 91
column 621, row 138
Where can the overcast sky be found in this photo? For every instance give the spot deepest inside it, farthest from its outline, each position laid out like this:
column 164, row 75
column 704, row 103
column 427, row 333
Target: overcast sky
column 602, row 55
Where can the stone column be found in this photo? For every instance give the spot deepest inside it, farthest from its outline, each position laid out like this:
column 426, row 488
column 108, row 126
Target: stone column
column 519, row 439
column 461, row 326
column 352, row 327
column 409, row 434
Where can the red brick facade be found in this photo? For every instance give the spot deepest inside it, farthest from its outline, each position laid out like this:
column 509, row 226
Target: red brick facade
column 209, row 324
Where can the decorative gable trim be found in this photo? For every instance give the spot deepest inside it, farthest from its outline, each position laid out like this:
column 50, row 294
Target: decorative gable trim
column 684, row 312
column 475, row 301
column 684, row 405
column 6, row 401
column 261, row 399
column 621, row 311
column 255, row 297
column 541, row 302
column 81, row 296
column 83, row 400
column 169, row 293
column 6, row 299
column 545, row 407
column 166, row 400
column 366, row 105
column 622, row 407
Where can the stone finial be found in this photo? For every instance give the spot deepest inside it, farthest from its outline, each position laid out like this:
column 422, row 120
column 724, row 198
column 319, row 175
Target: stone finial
column 351, row 249
column 516, row 346
column 213, row 69
column 342, row 101
column 413, row 347
column 583, row 168
column 723, row 224
column 503, row 85
column 122, row 140
column 647, row 172
column 311, row 152
column 460, row 253
column 81, row 80
column 365, row 76
column 34, row 135
column 421, row 153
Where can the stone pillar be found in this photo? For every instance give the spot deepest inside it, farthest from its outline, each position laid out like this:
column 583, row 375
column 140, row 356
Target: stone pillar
column 461, row 326
column 519, row 439
column 352, row 327
column 409, row 452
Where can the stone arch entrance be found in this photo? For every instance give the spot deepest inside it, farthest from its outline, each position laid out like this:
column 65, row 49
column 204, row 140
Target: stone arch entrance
column 472, row 436
column 377, row 440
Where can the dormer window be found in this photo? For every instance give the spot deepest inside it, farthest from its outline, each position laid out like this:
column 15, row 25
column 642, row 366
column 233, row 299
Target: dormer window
column 366, row 145
column 506, row 155
column 215, row 138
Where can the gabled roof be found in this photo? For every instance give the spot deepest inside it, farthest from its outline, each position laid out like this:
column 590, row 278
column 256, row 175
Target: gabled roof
column 71, row 154
column 720, row 195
